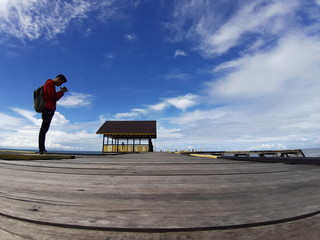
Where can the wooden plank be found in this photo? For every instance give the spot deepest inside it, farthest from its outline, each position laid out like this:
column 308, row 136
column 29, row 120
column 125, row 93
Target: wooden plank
column 158, row 196
column 15, row 151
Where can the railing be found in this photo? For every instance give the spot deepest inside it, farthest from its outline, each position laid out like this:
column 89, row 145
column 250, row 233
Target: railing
column 126, row 148
column 262, row 153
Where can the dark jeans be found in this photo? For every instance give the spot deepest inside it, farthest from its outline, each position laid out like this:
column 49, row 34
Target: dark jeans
column 47, row 116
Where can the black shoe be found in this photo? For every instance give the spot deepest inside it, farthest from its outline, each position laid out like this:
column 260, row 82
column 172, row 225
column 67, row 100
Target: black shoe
column 42, row 152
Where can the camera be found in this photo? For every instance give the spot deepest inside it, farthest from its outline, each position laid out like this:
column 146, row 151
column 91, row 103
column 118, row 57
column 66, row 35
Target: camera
column 65, row 89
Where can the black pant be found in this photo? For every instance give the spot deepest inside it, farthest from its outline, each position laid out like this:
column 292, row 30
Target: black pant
column 47, row 116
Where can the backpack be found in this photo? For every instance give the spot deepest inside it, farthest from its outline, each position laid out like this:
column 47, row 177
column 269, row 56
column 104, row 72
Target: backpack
column 39, row 103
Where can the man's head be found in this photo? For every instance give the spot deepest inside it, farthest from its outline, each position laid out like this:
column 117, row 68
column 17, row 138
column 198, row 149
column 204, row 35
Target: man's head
column 60, row 79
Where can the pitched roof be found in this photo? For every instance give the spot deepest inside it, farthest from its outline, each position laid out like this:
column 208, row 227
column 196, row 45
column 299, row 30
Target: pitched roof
column 133, row 129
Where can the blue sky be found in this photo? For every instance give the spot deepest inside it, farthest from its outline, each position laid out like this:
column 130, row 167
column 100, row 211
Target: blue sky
column 216, row 75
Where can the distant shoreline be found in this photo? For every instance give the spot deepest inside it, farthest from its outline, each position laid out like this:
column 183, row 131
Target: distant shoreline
column 309, row 152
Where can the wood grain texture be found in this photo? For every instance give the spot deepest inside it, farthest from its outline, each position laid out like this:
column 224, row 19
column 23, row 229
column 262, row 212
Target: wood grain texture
column 157, row 196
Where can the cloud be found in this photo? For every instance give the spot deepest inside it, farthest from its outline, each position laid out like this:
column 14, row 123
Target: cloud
column 181, row 103
column 43, row 19
column 279, row 70
column 203, row 23
column 130, row 37
column 30, row 20
column 192, row 118
column 159, row 106
column 252, row 18
column 243, row 127
column 132, row 114
column 175, row 74
column 22, row 131
column 262, row 94
column 265, row 94
column 110, row 55
column 268, row 147
column 111, row 9
column 268, row 99
column 180, row 53
column 9, row 123
column 109, row 58
column 75, row 100
column 29, row 115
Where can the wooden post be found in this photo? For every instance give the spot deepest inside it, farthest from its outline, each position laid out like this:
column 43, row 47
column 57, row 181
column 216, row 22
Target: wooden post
column 127, row 144
column 111, row 144
column 107, row 143
column 133, row 145
column 103, row 142
column 117, row 144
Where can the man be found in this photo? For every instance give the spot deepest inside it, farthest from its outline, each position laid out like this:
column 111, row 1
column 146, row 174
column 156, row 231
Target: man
column 51, row 97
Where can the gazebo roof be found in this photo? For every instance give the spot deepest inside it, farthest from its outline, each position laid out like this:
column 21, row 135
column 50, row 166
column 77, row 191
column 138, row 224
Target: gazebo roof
column 129, row 129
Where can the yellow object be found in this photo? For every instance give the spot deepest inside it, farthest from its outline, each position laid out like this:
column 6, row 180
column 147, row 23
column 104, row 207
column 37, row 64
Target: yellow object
column 14, row 151
column 126, row 148
column 204, row 156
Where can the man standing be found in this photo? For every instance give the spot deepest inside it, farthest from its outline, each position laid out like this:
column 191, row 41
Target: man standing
column 51, row 97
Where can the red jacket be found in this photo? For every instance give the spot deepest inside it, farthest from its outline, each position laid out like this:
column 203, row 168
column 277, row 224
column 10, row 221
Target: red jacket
column 50, row 95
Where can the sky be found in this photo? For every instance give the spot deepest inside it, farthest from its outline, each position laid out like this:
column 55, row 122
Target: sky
column 214, row 74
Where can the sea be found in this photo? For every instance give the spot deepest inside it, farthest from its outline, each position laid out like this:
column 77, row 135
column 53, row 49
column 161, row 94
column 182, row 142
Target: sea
column 308, row 152
column 311, row 152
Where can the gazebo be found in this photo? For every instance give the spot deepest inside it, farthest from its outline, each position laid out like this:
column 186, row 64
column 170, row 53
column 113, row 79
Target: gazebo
column 128, row 136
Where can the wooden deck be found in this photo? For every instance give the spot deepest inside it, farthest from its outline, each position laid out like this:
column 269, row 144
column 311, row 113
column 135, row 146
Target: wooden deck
column 158, row 196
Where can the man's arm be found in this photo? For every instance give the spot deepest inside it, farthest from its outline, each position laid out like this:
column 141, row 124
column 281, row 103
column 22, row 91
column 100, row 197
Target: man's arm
column 51, row 94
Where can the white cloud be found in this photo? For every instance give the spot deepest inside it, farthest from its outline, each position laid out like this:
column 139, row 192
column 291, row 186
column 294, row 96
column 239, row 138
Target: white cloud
column 30, row 115
column 43, row 19
column 9, row 123
column 241, row 127
column 31, row 20
column 267, row 100
column 280, row 69
column 169, row 133
column 181, row 102
column 268, row 147
column 251, row 18
column 180, row 53
column 75, row 100
column 130, row 37
column 132, row 114
column 159, row 106
column 168, row 138
column 175, row 74
column 111, row 9
column 110, row 55
column 193, row 118
column 266, row 97
column 22, row 132
column 231, row 65
column 59, row 120
column 204, row 23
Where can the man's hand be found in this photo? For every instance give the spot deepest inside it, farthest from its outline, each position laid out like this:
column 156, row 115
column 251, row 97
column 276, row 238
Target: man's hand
column 64, row 89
